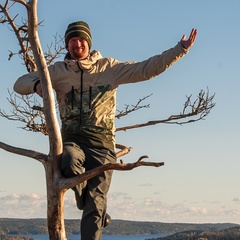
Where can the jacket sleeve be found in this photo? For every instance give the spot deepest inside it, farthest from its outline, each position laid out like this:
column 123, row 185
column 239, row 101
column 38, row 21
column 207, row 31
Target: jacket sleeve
column 25, row 84
column 131, row 72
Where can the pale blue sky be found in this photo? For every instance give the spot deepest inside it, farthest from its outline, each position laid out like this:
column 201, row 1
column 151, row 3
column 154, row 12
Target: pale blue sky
column 200, row 179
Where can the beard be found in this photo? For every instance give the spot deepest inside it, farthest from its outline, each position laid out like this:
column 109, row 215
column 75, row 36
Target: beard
column 79, row 53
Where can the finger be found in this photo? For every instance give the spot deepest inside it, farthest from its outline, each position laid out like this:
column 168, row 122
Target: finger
column 193, row 35
column 183, row 37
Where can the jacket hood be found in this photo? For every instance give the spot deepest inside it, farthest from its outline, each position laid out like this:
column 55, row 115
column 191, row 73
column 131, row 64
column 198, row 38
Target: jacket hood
column 85, row 64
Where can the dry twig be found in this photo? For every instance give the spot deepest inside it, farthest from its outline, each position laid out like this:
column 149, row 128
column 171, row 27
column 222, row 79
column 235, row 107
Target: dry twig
column 28, row 111
column 133, row 108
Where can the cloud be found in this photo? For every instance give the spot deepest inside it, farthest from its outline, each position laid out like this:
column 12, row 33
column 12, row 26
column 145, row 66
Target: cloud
column 149, row 209
column 123, row 206
column 22, row 205
column 152, row 208
column 31, row 205
column 199, row 210
column 146, row 185
column 236, row 199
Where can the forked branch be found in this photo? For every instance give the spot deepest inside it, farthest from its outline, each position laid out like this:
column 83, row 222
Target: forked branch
column 66, row 183
column 71, row 182
column 21, row 32
column 129, row 109
column 26, row 109
column 123, row 150
column 196, row 110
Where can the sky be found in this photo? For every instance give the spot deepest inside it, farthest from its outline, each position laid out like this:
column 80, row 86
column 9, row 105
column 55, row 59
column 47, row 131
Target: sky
column 199, row 182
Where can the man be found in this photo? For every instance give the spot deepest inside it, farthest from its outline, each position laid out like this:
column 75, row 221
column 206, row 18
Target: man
column 85, row 84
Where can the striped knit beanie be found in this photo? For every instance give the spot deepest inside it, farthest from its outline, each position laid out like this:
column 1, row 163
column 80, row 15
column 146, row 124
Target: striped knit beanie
column 78, row 29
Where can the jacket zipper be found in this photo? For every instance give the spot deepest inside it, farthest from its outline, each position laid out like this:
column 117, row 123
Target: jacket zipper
column 90, row 97
column 72, row 102
column 81, row 96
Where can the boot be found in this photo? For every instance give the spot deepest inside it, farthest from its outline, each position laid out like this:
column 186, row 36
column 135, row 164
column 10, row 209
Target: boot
column 107, row 220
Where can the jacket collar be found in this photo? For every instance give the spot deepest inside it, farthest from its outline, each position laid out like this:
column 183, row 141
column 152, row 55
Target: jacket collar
column 85, row 64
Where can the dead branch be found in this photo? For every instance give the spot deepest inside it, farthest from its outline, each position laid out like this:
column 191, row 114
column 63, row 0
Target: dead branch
column 133, row 108
column 24, row 152
column 23, row 2
column 55, row 49
column 71, row 182
column 28, row 111
column 200, row 108
column 124, row 150
column 21, row 33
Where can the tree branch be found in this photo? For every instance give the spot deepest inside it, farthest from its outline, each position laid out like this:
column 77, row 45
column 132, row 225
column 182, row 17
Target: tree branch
column 50, row 56
column 66, row 183
column 25, row 152
column 21, row 35
column 23, row 2
column 30, row 112
column 133, row 108
column 200, row 108
column 124, row 150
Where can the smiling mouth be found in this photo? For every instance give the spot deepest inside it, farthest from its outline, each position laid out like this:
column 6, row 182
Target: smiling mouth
column 78, row 48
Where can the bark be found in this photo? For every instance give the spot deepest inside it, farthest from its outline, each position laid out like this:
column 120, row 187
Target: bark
column 55, row 204
column 53, row 129
column 55, row 195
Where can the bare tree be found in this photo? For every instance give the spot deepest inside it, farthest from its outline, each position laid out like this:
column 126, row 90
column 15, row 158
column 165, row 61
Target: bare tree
column 44, row 119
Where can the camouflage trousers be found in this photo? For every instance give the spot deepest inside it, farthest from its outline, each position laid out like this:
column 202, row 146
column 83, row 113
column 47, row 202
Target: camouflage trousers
column 91, row 195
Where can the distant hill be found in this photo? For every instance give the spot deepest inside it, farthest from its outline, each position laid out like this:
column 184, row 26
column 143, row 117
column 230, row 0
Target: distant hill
column 117, row 227
column 6, row 237
column 124, row 227
column 225, row 234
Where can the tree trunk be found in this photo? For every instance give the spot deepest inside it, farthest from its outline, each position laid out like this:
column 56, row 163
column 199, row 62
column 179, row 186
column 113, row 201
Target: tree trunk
column 55, row 204
column 55, row 195
column 55, row 199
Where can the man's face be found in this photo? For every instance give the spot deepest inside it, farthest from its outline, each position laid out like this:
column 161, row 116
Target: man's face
column 78, row 48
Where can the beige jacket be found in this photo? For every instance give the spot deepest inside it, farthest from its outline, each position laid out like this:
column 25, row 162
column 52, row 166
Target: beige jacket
column 86, row 91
